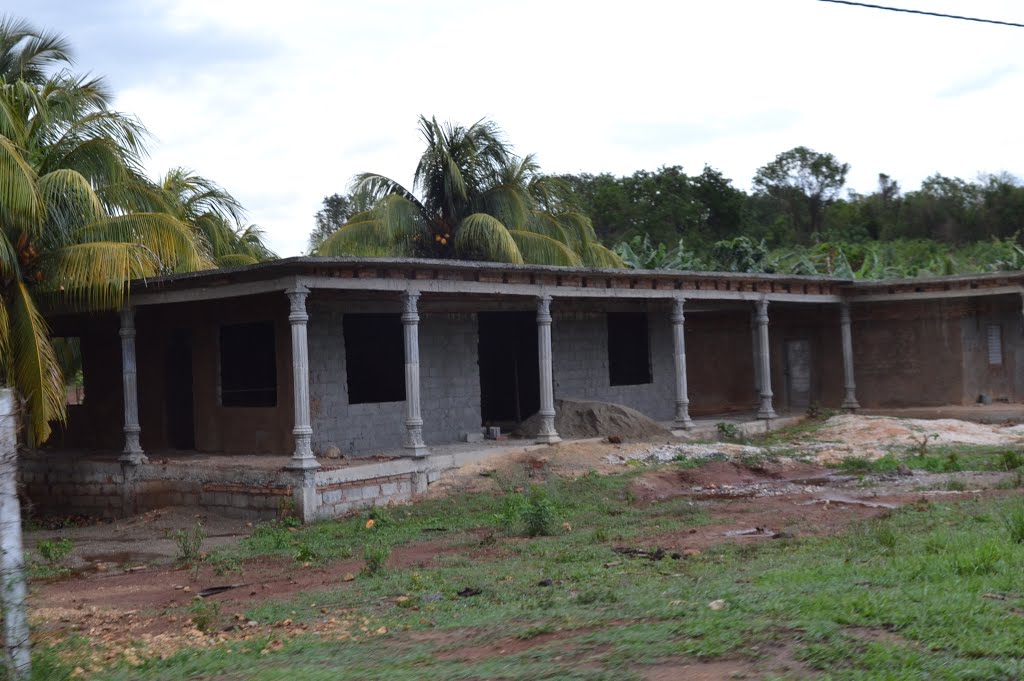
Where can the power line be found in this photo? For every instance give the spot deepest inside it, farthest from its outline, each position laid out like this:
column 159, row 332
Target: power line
column 927, row 14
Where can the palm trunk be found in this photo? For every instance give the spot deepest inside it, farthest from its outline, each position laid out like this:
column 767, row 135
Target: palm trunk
column 12, row 566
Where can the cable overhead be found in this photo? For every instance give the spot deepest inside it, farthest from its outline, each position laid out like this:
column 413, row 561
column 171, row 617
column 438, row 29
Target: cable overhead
column 927, row 14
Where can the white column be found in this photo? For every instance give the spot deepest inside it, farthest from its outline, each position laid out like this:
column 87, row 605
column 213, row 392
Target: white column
column 682, row 419
column 547, row 434
column 756, row 345
column 302, row 458
column 850, row 401
column 765, row 409
column 12, row 564
column 413, row 418
column 132, row 453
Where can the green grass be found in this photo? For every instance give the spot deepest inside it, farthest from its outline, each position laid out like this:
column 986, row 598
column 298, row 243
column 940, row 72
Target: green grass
column 940, row 583
column 940, row 459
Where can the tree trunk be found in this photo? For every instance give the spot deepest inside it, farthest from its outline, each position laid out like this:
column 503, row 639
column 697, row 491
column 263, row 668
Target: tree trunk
column 12, row 566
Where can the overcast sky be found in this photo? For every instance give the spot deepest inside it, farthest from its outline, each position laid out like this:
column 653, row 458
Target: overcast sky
column 282, row 102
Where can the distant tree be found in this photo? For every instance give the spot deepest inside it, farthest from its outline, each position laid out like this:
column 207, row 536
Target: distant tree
column 805, row 182
column 334, row 212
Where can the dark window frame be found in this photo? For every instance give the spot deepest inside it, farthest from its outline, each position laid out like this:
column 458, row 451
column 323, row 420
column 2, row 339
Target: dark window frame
column 629, row 349
column 247, row 365
column 374, row 357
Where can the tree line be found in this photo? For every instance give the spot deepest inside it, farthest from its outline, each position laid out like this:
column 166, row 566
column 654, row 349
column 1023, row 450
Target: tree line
column 799, row 218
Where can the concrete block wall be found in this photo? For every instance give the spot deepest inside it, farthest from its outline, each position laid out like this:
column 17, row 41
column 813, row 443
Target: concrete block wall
column 338, row 498
column 579, row 358
column 87, row 488
column 449, row 385
column 101, row 489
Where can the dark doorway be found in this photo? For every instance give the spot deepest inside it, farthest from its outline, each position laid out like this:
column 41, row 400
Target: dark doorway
column 181, row 432
column 509, row 374
column 798, row 372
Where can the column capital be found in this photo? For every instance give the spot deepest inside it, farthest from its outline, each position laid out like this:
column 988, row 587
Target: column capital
column 410, row 307
column 544, row 309
column 678, row 310
column 761, row 307
column 297, row 299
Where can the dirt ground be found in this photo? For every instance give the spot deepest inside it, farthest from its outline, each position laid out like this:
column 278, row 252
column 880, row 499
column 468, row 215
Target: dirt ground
column 124, row 583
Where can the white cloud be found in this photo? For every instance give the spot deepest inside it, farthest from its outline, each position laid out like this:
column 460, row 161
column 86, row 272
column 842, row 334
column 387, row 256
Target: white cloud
column 283, row 103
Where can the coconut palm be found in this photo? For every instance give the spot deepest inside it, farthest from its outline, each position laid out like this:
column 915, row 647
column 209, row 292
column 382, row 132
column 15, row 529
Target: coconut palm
column 70, row 236
column 216, row 216
column 477, row 200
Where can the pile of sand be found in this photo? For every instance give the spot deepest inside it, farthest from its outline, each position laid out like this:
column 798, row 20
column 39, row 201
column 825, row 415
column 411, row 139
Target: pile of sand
column 576, row 419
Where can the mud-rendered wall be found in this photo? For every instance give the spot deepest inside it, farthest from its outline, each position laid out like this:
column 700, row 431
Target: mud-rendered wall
column 1003, row 380
column 98, row 422
column 909, row 354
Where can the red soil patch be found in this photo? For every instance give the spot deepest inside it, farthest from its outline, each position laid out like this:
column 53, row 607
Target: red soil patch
column 659, row 485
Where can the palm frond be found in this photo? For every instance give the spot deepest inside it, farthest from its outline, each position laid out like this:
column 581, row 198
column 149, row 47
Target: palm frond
column 369, row 188
column 360, row 236
column 94, row 276
column 538, row 249
column 33, row 365
column 596, row 255
column 70, row 203
column 20, row 202
column 484, row 237
column 174, row 244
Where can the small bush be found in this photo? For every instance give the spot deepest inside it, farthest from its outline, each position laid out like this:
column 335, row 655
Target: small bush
column 55, row 551
column 539, row 514
column 190, row 544
column 532, row 514
column 1015, row 524
column 376, row 556
column 952, row 463
column 512, row 510
column 727, row 430
column 204, row 614
column 1010, row 460
column 920, row 444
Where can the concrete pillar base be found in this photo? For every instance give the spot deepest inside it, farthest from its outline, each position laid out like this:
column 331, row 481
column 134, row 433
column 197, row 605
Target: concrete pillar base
column 683, row 424
column 417, row 451
column 133, row 458
column 302, row 463
column 850, row 406
column 305, row 496
column 548, row 439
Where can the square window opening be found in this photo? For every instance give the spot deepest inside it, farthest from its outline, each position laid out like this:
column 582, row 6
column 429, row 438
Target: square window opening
column 629, row 351
column 248, row 365
column 374, row 358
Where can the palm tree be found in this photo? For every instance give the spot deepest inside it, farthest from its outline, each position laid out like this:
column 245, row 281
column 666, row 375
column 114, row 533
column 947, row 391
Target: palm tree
column 216, row 216
column 70, row 179
column 72, row 235
column 477, row 200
